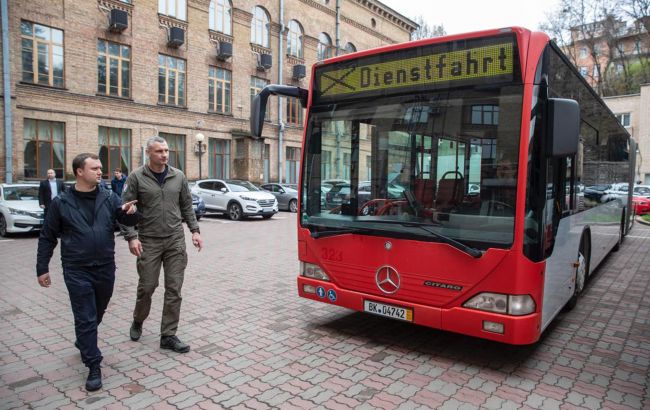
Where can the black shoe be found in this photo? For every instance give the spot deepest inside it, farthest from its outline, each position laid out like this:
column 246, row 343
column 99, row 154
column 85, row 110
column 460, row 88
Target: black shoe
column 172, row 343
column 136, row 330
column 94, row 380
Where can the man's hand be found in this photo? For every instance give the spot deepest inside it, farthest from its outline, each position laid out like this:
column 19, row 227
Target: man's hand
column 130, row 208
column 135, row 247
column 44, row 280
column 197, row 241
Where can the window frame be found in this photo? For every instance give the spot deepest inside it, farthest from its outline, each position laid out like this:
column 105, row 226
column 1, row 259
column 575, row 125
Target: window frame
column 295, row 112
column 179, row 154
column 165, row 9
column 167, row 77
column 214, row 84
column 295, row 35
column 60, row 171
column 223, row 155
column 34, row 54
column 324, row 50
column 220, row 13
column 108, row 57
column 261, row 20
column 255, row 89
column 108, row 168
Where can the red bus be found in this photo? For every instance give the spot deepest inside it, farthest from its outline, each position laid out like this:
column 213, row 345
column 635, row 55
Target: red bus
column 461, row 182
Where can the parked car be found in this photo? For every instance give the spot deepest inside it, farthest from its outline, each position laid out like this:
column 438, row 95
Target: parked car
column 339, row 194
column 19, row 209
column 641, row 205
column 236, row 198
column 199, row 206
column 286, row 194
column 642, row 190
column 597, row 192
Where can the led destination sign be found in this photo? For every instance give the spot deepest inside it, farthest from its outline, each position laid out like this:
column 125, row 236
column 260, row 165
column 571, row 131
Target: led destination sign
column 476, row 65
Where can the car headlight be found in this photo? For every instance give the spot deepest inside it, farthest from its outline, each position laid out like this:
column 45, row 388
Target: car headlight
column 310, row 270
column 247, row 198
column 15, row 211
column 515, row 305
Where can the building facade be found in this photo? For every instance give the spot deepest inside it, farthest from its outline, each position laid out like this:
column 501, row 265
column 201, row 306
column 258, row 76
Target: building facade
column 634, row 113
column 103, row 76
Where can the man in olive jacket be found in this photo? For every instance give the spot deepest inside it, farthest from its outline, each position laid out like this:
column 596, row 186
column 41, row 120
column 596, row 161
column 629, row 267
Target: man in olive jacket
column 165, row 200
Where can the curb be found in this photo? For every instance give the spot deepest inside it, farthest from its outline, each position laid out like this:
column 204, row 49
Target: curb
column 641, row 221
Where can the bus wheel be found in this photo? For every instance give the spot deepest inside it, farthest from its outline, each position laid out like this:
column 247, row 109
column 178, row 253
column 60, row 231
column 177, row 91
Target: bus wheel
column 581, row 274
column 620, row 235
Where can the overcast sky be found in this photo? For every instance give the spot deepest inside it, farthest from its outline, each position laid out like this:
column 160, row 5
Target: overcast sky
column 459, row 16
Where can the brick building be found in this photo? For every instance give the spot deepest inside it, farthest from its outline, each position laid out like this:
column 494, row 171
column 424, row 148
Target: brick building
column 634, row 113
column 83, row 82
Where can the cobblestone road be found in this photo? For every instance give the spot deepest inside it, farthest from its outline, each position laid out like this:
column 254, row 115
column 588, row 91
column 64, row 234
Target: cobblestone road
column 256, row 345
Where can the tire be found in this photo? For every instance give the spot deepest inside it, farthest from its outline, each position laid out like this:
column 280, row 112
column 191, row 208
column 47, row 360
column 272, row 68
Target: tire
column 293, row 206
column 235, row 212
column 3, row 226
column 581, row 274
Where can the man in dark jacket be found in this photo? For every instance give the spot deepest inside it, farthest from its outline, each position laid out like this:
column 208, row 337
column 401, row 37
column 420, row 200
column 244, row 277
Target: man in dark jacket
column 117, row 183
column 48, row 190
column 85, row 217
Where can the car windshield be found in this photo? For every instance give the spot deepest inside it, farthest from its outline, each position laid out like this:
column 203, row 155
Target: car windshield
column 241, row 186
column 21, row 193
column 445, row 159
column 289, row 189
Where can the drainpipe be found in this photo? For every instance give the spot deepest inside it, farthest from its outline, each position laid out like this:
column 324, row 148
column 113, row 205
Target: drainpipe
column 6, row 71
column 280, row 81
column 338, row 26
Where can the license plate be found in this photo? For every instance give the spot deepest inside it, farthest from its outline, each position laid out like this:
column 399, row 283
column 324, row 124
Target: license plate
column 391, row 311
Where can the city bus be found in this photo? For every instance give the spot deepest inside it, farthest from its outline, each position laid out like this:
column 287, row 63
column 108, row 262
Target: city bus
column 449, row 182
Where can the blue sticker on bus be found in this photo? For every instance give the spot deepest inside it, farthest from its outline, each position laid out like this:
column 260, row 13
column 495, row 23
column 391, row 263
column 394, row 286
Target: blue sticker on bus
column 331, row 294
column 320, row 291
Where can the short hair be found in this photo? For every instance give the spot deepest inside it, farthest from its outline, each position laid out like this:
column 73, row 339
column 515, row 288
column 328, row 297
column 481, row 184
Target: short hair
column 155, row 138
column 117, row 170
column 79, row 161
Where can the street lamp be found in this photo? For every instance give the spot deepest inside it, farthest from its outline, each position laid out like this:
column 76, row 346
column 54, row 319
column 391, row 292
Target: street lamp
column 199, row 142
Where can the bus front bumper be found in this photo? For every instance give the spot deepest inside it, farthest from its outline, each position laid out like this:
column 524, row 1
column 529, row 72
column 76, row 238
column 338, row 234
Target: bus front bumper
column 517, row 330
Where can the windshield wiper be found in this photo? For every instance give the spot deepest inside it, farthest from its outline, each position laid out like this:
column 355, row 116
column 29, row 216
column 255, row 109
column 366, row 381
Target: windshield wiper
column 331, row 231
column 473, row 252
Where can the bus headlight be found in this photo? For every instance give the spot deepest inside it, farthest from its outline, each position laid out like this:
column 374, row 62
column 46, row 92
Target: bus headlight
column 310, row 270
column 515, row 305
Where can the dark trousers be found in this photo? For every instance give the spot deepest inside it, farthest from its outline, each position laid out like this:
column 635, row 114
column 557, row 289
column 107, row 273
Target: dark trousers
column 90, row 289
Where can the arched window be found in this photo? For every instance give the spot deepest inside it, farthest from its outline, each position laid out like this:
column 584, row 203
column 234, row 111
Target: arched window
column 294, row 39
column 260, row 27
column 350, row 48
column 221, row 16
column 324, row 46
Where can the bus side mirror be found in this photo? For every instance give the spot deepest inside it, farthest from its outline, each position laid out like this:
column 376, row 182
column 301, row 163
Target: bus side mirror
column 563, row 127
column 258, row 111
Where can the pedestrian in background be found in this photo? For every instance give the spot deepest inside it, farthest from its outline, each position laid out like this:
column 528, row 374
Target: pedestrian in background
column 165, row 200
column 118, row 181
column 48, row 190
column 84, row 217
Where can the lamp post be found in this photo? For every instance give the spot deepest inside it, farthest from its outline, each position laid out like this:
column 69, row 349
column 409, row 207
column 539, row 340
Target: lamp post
column 199, row 141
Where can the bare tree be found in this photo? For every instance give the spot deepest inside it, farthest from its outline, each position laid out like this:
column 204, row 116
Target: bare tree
column 426, row 31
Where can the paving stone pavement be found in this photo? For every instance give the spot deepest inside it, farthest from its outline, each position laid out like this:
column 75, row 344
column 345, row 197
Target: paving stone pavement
column 256, row 345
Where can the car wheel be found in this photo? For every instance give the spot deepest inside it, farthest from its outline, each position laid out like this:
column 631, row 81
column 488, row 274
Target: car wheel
column 235, row 211
column 582, row 271
column 3, row 226
column 293, row 206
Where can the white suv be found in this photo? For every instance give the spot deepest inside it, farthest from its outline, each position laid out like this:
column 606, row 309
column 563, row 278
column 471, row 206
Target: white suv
column 237, row 199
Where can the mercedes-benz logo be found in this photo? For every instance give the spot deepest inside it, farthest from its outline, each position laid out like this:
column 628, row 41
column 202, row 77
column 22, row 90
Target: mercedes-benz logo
column 387, row 279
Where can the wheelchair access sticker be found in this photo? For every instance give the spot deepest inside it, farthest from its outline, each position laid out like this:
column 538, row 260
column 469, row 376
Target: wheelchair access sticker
column 331, row 295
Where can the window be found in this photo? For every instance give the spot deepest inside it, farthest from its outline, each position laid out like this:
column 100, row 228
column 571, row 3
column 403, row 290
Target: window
column 260, row 27
column 219, row 160
column 114, row 150
column 44, row 148
column 171, row 80
column 485, row 115
column 42, row 54
column 221, row 16
column 350, row 48
column 624, row 119
column 176, row 143
column 293, row 165
column 173, row 8
column 220, row 81
column 113, row 68
column 257, row 84
column 294, row 39
column 326, row 164
column 324, row 47
column 294, row 112
column 584, row 71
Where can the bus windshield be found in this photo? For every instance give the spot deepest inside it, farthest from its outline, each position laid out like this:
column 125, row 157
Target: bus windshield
column 444, row 161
